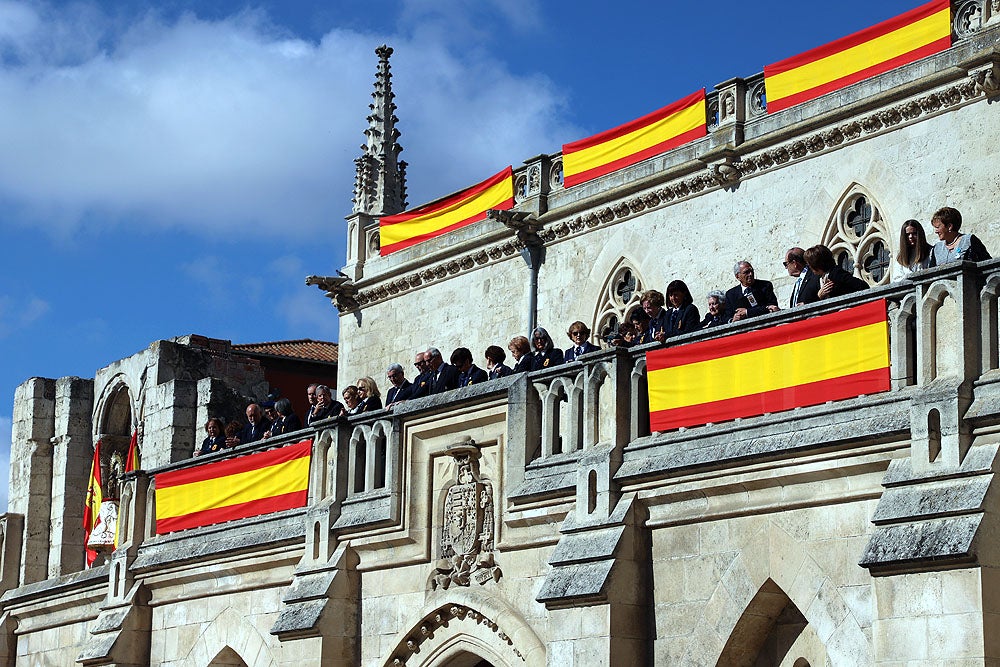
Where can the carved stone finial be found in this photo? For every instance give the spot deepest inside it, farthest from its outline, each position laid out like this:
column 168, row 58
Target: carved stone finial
column 380, row 178
column 339, row 289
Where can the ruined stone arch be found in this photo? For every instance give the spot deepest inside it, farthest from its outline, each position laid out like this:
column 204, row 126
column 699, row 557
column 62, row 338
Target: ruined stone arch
column 860, row 237
column 114, row 409
column 231, row 636
column 618, row 297
column 459, row 628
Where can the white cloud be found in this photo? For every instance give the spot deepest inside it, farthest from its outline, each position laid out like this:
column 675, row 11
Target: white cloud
column 225, row 126
column 6, row 438
column 20, row 313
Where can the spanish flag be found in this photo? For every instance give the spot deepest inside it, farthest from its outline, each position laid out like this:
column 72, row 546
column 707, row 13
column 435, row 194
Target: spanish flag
column 655, row 133
column 916, row 34
column 92, row 505
column 444, row 215
column 271, row 481
column 825, row 358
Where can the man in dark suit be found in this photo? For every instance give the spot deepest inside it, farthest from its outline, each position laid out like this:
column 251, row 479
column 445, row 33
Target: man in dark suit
column 401, row 388
column 325, row 405
column 806, row 287
column 421, row 383
column 751, row 297
column 443, row 376
column 257, row 425
column 579, row 333
column 468, row 372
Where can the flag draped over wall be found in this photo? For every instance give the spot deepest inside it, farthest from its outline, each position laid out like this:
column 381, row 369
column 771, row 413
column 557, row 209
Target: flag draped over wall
column 270, row 481
column 825, row 358
column 444, row 215
column 92, row 504
column 635, row 141
column 916, row 34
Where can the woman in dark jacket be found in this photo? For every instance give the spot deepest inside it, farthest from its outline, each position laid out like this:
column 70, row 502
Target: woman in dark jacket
column 682, row 315
column 546, row 354
column 287, row 420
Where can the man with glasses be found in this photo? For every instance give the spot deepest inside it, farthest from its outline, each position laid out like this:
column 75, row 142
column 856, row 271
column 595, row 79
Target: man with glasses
column 579, row 333
column 422, row 382
column 806, row 287
column 401, row 388
column 442, row 376
column 751, row 297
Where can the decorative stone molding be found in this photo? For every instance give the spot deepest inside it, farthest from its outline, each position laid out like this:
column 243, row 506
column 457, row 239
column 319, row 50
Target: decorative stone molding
column 443, row 617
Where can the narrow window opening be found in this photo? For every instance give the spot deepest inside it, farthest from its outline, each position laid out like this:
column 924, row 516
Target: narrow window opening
column 591, row 492
column 933, row 435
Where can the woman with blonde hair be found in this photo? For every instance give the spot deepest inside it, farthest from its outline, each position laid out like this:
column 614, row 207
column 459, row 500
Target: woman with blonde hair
column 371, row 400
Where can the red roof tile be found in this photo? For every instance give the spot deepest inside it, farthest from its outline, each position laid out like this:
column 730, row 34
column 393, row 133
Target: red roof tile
column 315, row 350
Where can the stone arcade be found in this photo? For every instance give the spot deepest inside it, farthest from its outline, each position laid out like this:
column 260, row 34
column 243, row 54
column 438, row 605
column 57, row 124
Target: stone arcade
column 534, row 520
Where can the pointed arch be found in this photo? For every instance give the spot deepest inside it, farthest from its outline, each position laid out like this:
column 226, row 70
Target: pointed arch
column 459, row 628
column 227, row 657
column 858, row 234
column 233, row 631
column 618, row 297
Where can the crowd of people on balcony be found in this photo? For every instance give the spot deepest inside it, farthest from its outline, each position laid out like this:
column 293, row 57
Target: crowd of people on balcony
column 815, row 270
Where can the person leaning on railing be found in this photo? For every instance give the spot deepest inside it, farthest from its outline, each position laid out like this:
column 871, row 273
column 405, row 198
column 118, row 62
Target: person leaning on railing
column 287, row 420
column 953, row 246
column 682, row 315
column 371, row 399
column 716, row 314
column 216, row 439
column 833, row 280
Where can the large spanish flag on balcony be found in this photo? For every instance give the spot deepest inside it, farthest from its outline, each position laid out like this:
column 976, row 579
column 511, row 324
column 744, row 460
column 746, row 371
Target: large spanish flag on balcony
column 825, row 358
column 444, row 215
column 655, row 133
column 918, row 33
column 270, row 481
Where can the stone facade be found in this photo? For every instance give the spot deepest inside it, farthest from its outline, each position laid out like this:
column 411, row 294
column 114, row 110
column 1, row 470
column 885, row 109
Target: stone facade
column 535, row 520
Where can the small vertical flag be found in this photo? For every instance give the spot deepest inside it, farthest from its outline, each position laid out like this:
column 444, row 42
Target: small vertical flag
column 92, row 506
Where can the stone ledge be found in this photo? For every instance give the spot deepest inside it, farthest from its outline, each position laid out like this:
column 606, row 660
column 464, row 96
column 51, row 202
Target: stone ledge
column 575, row 582
column 768, row 436
column 978, row 461
column 908, row 503
column 246, row 535
column 587, row 546
column 59, row 586
column 925, row 545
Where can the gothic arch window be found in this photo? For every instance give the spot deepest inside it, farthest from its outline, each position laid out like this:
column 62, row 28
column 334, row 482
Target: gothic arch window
column 858, row 235
column 619, row 297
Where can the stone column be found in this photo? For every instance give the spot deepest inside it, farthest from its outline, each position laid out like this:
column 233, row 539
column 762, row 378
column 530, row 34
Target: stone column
column 31, row 472
column 72, row 456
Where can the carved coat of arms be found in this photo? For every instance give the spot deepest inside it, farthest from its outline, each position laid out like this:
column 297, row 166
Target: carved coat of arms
column 467, row 525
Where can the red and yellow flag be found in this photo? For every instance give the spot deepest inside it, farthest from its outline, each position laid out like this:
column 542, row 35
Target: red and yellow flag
column 916, row 34
column 825, row 358
column 444, row 215
column 633, row 142
column 92, row 504
column 270, row 481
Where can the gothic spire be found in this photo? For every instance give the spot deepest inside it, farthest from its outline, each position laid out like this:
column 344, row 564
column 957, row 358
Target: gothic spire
column 380, row 179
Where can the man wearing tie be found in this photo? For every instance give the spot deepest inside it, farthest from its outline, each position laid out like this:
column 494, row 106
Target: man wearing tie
column 579, row 333
column 806, row 287
column 751, row 297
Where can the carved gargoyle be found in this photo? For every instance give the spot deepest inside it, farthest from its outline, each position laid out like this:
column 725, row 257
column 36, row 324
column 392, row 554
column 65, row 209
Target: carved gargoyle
column 339, row 289
column 525, row 224
column 724, row 173
column 987, row 79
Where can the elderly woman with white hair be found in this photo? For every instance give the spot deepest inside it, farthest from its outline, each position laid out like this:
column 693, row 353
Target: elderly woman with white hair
column 545, row 354
column 716, row 314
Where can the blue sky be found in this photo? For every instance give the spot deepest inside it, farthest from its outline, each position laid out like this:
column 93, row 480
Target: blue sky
column 179, row 167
